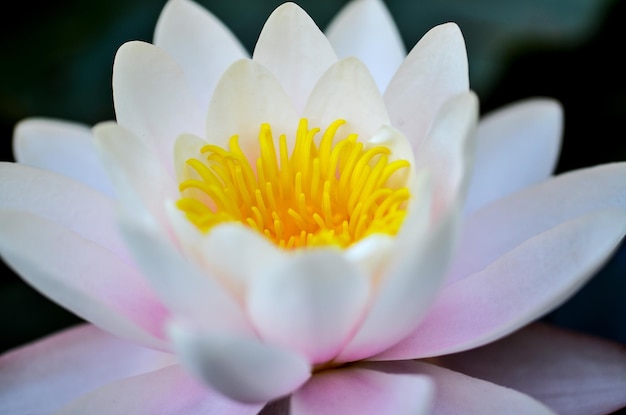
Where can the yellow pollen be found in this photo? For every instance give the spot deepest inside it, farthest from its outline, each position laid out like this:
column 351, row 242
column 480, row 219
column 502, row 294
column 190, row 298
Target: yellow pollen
column 319, row 195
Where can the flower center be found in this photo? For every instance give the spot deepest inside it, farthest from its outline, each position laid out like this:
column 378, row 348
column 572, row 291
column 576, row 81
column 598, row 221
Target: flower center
column 331, row 193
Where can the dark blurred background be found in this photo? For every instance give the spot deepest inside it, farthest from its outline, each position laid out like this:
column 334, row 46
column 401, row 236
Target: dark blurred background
column 57, row 59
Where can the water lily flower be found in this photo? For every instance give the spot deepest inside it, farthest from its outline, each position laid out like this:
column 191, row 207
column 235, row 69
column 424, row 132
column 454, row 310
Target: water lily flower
column 322, row 228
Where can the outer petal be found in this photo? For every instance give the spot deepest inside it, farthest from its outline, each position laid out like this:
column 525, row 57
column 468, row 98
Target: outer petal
column 82, row 276
column 516, row 146
column 81, row 209
column 517, row 288
column 504, row 224
column 365, row 391
column 572, row 373
column 190, row 293
column 243, row 369
column 62, row 147
column 347, row 91
column 247, row 96
column 294, row 49
column 310, row 303
column 447, row 152
column 168, row 391
column 366, row 30
column 457, row 394
column 152, row 98
column 433, row 72
column 40, row 377
column 199, row 42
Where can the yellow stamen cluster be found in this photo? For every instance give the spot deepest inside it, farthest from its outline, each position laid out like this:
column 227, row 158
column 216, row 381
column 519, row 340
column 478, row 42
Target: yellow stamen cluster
column 326, row 194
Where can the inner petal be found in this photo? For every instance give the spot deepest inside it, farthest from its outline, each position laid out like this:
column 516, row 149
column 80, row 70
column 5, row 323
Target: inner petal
column 325, row 191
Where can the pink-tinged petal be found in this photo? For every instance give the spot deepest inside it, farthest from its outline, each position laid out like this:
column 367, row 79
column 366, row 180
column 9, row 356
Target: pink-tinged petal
column 516, row 146
column 189, row 293
column 243, row 369
column 84, row 277
column 366, row 30
column 448, row 150
column 407, row 288
column 310, row 302
column 364, row 390
column 572, row 373
column 64, row 201
column 167, row 391
column 247, row 96
column 433, row 72
column 347, row 91
column 456, row 393
column 41, row 377
column 133, row 166
column 199, row 42
column 501, row 226
column 517, row 288
column 153, row 99
column 62, row 147
column 295, row 50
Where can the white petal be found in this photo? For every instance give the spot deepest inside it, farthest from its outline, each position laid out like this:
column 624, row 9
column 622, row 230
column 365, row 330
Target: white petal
column 62, row 147
column 407, row 287
column 245, row 370
column 200, row 43
column 188, row 292
column 82, row 276
column 134, row 168
column 61, row 200
column 504, row 224
column 347, row 91
column 447, row 152
column 517, row 288
column 365, row 29
column 433, row 72
column 295, row 50
column 238, row 254
column 364, row 390
column 40, row 377
column 310, row 303
column 516, row 146
column 152, row 98
column 168, row 391
column 247, row 96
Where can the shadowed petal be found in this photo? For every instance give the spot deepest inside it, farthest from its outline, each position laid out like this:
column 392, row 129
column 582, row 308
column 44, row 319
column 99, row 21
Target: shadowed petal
column 572, row 373
column 40, row 377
